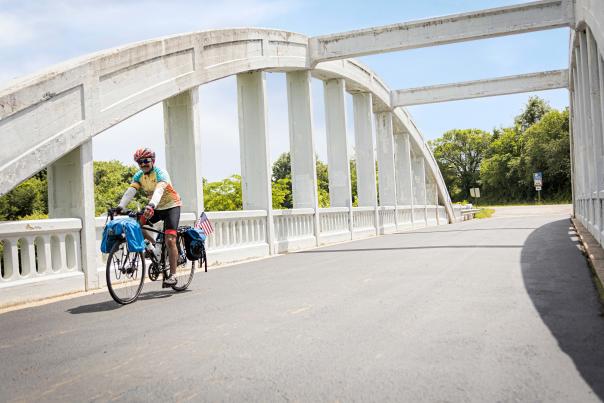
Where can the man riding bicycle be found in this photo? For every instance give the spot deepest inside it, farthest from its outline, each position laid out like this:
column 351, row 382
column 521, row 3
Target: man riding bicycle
column 164, row 203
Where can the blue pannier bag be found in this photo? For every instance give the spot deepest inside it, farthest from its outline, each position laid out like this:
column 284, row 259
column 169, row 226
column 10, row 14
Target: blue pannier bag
column 194, row 239
column 116, row 229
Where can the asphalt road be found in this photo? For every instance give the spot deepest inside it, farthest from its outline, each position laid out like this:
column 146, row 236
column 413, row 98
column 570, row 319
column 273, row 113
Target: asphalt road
column 501, row 309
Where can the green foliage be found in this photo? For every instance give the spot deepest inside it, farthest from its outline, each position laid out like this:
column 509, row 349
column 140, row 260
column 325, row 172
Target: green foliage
column 322, row 183
column 502, row 164
column 484, row 213
column 353, row 182
column 459, row 154
column 547, row 150
column 534, row 110
column 111, row 179
column 29, row 199
column 282, row 183
column 281, row 190
column 502, row 171
column 223, row 195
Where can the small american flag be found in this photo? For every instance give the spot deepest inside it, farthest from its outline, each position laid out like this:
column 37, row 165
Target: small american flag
column 204, row 223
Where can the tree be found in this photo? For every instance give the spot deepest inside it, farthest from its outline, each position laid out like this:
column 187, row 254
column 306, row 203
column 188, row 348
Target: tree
column 547, row 149
column 29, row 200
column 322, row 183
column 353, row 182
column 533, row 111
column 223, row 195
column 518, row 152
column 502, row 172
column 459, row 154
column 282, row 182
column 111, row 179
column 282, row 194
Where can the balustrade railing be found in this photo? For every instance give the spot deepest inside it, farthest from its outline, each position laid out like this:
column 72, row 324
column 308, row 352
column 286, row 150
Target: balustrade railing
column 404, row 217
column 432, row 213
column 334, row 224
column 419, row 216
column 237, row 235
column 294, row 229
column 387, row 219
column 363, row 221
column 40, row 248
column 442, row 215
column 49, row 249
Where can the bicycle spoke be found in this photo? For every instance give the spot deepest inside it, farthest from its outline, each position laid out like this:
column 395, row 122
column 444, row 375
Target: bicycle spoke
column 125, row 274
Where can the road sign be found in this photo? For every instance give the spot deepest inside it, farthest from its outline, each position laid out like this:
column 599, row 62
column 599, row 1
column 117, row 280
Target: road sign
column 475, row 192
column 538, row 178
column 538, row 188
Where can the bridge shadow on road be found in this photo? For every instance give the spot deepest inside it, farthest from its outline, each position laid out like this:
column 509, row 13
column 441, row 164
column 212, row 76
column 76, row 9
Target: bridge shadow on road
column 559, row 284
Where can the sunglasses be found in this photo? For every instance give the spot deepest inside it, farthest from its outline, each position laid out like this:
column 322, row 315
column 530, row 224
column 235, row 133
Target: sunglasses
column 144, row 161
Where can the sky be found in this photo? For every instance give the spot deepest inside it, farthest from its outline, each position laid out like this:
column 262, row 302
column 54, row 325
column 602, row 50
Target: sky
column 34, row 35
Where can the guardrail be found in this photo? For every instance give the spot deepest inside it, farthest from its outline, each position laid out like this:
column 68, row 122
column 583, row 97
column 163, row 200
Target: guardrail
column 468, row 214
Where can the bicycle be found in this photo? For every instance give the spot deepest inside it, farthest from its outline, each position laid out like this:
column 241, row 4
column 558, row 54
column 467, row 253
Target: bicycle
column 125, row 272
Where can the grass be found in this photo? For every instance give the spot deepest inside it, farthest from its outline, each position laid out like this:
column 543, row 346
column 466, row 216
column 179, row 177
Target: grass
column 484, row 213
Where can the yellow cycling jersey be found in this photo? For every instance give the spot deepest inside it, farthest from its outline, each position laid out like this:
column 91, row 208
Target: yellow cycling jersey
column 148, row 183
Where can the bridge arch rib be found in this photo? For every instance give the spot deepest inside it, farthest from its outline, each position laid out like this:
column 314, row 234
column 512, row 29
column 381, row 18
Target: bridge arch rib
column 586, row 71
column 67, row 105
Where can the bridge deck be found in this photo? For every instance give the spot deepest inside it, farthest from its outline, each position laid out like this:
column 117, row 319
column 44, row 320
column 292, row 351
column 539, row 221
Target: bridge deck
column 498, row 309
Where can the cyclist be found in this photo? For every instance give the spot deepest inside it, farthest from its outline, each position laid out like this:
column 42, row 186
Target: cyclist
column 164, row 202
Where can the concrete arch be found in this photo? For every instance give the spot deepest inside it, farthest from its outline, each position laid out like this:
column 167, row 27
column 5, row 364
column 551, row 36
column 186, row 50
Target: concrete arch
column 586, row 99
column 65, row 106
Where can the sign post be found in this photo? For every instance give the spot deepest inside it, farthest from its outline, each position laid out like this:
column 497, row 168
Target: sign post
column 538, row 181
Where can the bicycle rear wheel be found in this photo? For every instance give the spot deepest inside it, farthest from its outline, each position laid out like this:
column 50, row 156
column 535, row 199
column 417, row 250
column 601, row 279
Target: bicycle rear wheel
column 125, row 273
column 184, row 271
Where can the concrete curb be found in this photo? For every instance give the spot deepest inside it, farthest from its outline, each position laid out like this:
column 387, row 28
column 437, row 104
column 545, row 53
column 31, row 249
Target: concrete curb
column 594, row 253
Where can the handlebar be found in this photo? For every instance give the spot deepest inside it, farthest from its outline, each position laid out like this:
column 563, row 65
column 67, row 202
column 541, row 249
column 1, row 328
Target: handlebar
column 112, row 212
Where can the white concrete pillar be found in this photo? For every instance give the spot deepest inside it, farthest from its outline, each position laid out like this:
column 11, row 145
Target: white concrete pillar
column 404, row 169
column 573, row 132
column 597, row 128
column 71, row 195
column 302, row 143
column 337, row 144
column 365, row 157
column 588, row 135
column 183, row 148
column 419, row 183
column 253, row 146
column 601, row 135
column 385, row 157
column 579, row 134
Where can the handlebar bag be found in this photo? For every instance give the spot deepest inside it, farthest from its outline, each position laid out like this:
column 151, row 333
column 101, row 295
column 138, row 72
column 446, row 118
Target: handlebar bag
column 120, row 227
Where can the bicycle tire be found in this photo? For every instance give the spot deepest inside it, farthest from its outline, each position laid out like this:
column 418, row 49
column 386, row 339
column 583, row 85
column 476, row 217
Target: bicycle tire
column 117, row 275
column 183, row 275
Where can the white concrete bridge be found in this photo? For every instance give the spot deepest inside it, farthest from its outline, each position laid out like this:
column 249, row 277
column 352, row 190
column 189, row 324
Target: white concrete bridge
column 48, row 120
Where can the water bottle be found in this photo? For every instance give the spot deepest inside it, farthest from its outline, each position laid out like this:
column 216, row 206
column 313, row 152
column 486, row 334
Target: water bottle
column 157, row 250
column 148, row 249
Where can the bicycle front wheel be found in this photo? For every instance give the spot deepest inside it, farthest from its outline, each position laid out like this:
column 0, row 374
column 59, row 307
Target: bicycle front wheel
column 125, row 273
column 184, row 271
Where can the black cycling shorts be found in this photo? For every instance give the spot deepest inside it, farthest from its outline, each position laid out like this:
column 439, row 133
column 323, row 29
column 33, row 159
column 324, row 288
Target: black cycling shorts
column 171, row 217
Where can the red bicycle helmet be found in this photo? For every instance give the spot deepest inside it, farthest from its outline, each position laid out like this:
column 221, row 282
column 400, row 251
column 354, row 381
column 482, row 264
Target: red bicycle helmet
column 144, row 153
